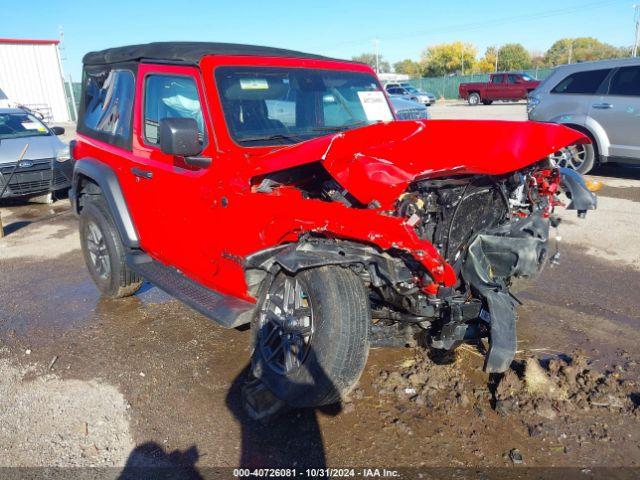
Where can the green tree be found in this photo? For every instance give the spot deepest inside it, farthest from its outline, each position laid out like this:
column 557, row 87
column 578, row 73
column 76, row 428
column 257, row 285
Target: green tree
column 487, row 64
column 370, row 59
column 447, row 58
column 581, row 49
column 408, row 67
column 513, row 56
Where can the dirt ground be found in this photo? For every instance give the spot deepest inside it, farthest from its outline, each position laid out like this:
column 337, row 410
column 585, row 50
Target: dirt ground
column 86, row 381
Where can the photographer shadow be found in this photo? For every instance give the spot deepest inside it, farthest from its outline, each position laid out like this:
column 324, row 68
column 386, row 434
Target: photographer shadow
column 288, row 438
column 149, row 461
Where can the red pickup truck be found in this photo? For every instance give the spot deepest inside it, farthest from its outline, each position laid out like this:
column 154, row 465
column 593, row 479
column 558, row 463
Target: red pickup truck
column 501, row 86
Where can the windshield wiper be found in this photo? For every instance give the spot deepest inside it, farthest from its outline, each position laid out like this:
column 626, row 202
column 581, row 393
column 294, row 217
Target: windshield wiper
column 275, row 136
column 339, row 128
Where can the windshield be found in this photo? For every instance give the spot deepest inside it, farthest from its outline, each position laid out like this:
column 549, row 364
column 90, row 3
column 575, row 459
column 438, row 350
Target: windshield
column 21, row 124
column 267, row 106
column 412, row 90
column 527, row 78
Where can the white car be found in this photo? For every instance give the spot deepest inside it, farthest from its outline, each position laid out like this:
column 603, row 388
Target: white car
column 408, row 109
column 410, row 92
column 46, row 166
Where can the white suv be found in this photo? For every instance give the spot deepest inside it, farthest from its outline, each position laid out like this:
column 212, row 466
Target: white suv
column 601, row 99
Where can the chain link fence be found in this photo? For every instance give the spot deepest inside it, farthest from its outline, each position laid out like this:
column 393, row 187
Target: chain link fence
column 447, row 86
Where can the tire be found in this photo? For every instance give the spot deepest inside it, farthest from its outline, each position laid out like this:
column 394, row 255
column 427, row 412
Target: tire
column 474, row 99
column 104, row 253
column 487, row 102
column 580, row 158
column 335, row 351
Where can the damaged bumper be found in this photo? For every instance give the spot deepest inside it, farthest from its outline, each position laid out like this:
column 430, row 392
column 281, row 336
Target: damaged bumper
column 517, row 250
column 574, row 186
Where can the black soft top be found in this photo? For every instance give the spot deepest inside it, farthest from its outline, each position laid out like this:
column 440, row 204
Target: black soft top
column 185, row 52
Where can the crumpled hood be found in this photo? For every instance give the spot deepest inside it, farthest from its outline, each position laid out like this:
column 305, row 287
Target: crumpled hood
column 379, row 161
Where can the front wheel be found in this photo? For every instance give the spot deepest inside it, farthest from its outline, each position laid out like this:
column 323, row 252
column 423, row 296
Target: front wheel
column 311, row 335
column 581, row 157
column 474, row 99
column 104, row 253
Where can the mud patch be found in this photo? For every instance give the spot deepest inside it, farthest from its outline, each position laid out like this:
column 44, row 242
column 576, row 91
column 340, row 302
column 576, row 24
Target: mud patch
column 560, row 406
column 47, row 421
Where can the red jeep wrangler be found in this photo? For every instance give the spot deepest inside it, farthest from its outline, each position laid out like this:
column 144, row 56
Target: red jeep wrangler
column 274, row 188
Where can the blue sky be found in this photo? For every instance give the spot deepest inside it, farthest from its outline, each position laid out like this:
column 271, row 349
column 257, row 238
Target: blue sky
column 336, row 28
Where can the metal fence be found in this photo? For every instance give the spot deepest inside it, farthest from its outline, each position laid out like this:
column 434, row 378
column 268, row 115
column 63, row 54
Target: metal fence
column 447, row 86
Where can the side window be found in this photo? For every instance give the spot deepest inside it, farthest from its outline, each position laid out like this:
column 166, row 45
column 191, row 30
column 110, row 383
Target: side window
column 513, row 79
column 626, row 81
column 394, row 91
column 496, row 79
column 170, row 96
column 108, row 102
column 585, row 83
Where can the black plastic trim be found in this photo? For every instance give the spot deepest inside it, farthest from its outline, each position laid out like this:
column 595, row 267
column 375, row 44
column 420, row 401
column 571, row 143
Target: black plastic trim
column 108, row 182
column 228, row 311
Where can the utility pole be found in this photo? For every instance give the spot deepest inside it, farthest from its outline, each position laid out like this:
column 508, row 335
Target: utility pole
column 496, row 58
column 462, row 56
column 637, row 39
column 570, row 52
column 376, row 42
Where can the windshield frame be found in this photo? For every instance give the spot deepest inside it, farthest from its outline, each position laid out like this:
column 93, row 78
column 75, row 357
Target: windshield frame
column 329, row 66
column 30, row 134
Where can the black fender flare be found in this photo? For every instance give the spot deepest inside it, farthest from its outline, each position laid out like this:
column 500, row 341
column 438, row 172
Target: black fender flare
column 104, row 176
column 318, row 252
column 581, row 199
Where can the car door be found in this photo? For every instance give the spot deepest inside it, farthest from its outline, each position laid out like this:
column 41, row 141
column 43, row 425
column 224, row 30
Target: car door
column 515, row 88
column 618, row 112
column 173, row 198
column 495, row 88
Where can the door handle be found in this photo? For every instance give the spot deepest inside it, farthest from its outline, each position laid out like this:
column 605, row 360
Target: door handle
column 602, row 106
column 138, row 172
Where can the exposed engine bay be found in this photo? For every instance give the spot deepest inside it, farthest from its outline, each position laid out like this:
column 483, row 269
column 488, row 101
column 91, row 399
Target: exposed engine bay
column 489, row 229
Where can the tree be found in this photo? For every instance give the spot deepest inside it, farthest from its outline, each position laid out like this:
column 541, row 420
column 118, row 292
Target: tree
column 408, row 67
column 446, row 58
column 513, row 56
column 370, row 59
column 581, row 49
column 488, row 64
column 537, row 59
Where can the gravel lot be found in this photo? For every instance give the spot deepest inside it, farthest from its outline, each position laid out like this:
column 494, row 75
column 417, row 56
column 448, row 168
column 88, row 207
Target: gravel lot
column 86, row 381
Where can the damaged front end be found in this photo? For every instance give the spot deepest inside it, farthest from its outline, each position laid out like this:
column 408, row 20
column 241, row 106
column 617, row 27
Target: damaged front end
column 437, row 248
column 490, row 230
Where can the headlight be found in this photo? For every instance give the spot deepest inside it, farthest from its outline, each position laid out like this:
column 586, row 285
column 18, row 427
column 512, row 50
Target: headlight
column 532, row 103
column 63, row 155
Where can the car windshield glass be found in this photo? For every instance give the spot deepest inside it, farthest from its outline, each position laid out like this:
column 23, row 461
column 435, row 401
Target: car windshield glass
column 21, row 124
column 412, row 90
column 527, row 78
column 270, row 106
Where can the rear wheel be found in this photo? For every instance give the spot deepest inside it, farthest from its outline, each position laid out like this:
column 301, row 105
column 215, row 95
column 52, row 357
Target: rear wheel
column 104, row 253
column 311, row 335
column 474, row 99
column 581, row 157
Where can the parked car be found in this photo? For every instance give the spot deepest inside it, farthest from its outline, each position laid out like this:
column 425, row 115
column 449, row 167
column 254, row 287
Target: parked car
column 501, row 86
column 307, row 226
column 409, row 92
column 600, row 99
column 45, row 166
column 408, row 109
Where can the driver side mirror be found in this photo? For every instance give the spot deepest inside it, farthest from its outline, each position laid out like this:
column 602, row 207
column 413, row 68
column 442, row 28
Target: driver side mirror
column 57, row 130
column 179, row 137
